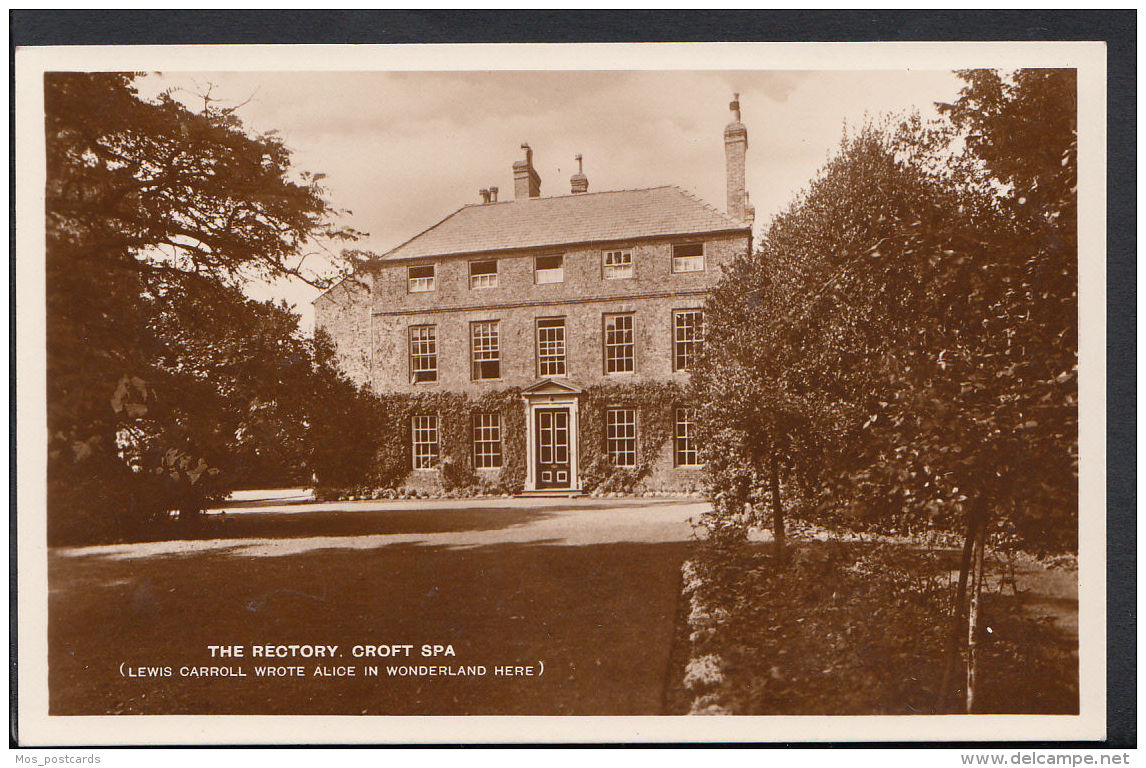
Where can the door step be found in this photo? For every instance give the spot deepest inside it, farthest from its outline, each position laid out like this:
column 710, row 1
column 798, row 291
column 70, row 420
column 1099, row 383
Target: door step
column 551, row 493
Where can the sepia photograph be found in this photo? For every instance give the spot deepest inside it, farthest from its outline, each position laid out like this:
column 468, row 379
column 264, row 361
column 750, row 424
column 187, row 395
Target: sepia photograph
column 493, row 381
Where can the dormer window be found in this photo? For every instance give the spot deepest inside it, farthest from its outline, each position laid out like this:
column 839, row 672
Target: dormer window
column 618, row 265
column 420, row 279
column 483, row 274
column 688, row 257
column 549, row 269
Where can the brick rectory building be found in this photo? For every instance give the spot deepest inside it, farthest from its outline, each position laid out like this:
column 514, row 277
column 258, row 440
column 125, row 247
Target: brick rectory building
column 569, row 323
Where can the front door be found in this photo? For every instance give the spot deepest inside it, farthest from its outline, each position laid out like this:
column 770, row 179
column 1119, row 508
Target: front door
column 553, row 448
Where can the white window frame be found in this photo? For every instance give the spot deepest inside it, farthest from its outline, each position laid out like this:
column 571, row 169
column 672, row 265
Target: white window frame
column 422, row 349
column 551, row 353
column 485, row 279
column 421, row 284
column 486, row 438
column 424, row 438
column 485, row 347
column 617, row 264
column 615, row 349
column 683, row 347
column 685, row 264
column 621, row 437
column 548, row 275
column 684, row 439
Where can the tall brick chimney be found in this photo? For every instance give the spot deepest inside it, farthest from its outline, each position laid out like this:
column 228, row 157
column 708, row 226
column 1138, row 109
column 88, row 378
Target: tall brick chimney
column 579, row 181
column 526, row 182
column 735, row 149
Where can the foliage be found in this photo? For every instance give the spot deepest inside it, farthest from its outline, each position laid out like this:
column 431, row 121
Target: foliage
column 381, row 456
column 848, row 628
column 655, row 404
column 155, row 214
column 906, row 336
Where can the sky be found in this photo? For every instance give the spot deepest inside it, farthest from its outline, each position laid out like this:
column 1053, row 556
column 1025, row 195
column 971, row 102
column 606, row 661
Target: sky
column 402, row 150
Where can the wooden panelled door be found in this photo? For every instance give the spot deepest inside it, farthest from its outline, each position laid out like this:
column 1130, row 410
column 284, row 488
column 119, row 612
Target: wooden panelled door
column 553, row 448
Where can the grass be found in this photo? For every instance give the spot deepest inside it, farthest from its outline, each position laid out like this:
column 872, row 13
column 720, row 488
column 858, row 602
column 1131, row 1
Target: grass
column 600, row 617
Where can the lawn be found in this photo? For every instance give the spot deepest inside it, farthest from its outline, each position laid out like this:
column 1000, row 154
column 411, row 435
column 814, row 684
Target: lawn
column 591, row 593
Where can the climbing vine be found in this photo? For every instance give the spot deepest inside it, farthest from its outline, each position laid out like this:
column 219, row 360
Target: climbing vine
column 390, row 470
column 655, row 405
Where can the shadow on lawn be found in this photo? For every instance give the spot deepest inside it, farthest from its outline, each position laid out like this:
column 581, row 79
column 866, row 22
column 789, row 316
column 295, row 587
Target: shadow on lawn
column 345, row 522
column 600, row 618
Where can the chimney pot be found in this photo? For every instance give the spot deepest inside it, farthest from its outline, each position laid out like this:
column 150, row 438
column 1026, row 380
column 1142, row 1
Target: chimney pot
column 484, row 195
column 579, row 182
column 493, row 194
column 526, row 182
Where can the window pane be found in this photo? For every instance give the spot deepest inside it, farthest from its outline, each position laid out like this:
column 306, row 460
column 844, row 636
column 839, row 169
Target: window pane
column 688, row 335
column 425, row 434
column 483, row 274
column 621, row 436
column 423, row 353
column 618, row 265
column 551, row 347
column 684, row 439
column 487, row 440
column 549, row 269
column 688, row 257
column 485, row 350
column 421, row 278
column 619, row 356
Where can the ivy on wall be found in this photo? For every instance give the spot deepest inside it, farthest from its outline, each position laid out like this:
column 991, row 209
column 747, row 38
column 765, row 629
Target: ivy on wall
column 655, row 404
column 391, row 468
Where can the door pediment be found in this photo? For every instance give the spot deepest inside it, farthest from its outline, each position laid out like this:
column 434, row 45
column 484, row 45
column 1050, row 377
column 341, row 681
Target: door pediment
column 550, row 387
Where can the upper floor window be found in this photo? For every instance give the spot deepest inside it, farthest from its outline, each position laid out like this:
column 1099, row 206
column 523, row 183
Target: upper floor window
column 423, row 353
column 549, row 269
column 551, row 346
column 483, row 274
column 485, row 350
column 687, row 337
column 619, row 353
column 487, row 440
column 621, row 436
column 424, row 431
column 688, row 257
column 420, row 279
column 618, row 265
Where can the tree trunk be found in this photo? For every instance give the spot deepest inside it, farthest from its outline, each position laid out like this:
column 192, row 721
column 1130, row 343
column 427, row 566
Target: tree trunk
column 973, row 617
column 777, row 510
column 955, row 634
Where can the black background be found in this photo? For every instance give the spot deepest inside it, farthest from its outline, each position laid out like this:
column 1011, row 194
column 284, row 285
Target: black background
column 1116, row 28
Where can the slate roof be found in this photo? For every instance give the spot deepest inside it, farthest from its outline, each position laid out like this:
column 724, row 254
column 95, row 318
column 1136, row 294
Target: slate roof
column 551, row 221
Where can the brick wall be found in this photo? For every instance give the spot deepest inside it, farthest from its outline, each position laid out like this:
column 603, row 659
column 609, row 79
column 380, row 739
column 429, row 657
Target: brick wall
column 344, row 313
column 517, row 302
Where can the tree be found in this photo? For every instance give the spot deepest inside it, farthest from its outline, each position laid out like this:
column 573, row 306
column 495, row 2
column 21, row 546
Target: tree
column 911, row 320
column 146, row 201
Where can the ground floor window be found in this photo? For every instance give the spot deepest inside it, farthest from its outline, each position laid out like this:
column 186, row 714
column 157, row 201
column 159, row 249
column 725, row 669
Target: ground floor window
column 487, row 440
column 684, row 439
column 621, row 436
column 425, row 432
